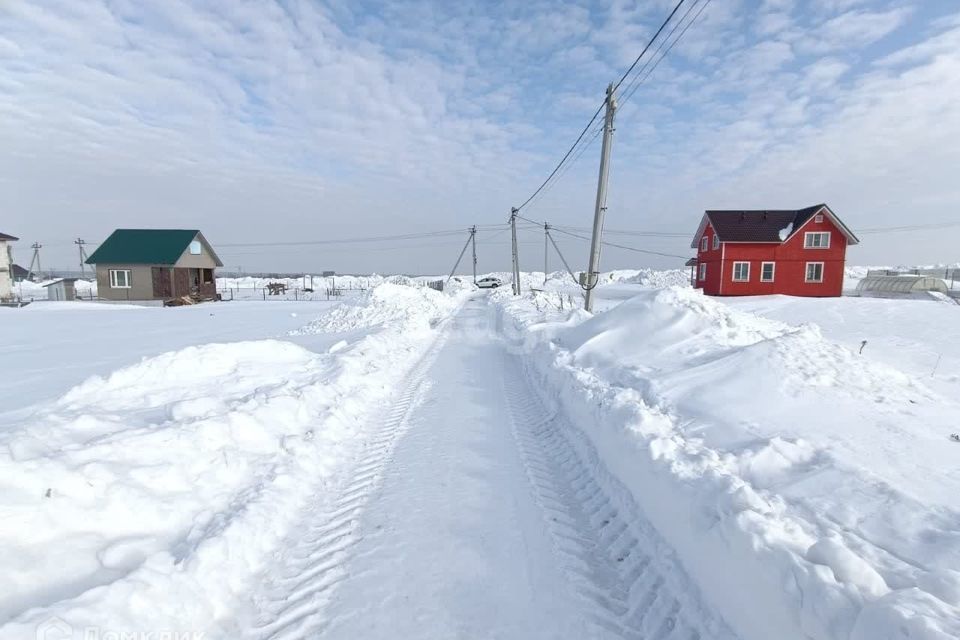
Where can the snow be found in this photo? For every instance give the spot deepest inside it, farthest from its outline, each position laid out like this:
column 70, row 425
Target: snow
column 146, row 498
column 483, row 465
column 473, row 517
column 387, row 304
column 47, row 347
column 908, row 335
column 764, row 450
column 785, row 232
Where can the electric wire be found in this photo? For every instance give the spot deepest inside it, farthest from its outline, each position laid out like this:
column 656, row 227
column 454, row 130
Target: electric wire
column 638, row 80
column 600, row 108
column 622, row 246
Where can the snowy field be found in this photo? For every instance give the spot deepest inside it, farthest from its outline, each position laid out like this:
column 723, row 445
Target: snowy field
column 673, row 466
column 772, row 450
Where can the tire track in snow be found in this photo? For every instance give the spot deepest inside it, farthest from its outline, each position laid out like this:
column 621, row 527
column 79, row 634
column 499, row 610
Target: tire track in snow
column 616, row 561
column 291, row 602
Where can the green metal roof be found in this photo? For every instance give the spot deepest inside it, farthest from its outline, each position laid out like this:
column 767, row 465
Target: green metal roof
column 143, row 246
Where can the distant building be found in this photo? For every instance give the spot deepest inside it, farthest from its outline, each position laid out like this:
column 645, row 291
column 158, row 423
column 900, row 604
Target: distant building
column 62, row 289
column 6, row 266
column 19, row 273
column 797, row 252
column 155, row 264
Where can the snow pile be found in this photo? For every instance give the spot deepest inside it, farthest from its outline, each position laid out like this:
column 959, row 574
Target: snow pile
column 387, row 304
column 181, row 473
column 782, row 467
column 660, row 278
column 785, row 232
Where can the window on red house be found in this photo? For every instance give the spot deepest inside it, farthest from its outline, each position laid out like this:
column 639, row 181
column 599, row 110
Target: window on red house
column 741, row 271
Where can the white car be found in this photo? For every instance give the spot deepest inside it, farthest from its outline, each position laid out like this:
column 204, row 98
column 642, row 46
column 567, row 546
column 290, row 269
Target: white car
column 489, row 282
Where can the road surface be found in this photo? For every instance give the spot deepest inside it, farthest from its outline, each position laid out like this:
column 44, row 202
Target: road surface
column 476, row 512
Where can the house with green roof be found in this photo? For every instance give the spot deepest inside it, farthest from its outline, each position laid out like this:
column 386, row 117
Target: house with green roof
column 155, row 264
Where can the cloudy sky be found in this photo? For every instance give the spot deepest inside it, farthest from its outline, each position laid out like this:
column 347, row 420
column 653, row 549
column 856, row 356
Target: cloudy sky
column 300, row 121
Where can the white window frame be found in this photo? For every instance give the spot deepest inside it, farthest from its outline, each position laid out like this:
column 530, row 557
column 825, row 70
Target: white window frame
column 703, row 243
column 196, row 244
column 702, row 272
column 716, row 242
column 773, row 271
column 746, row 278
column 818, row 218
column 115, row 281
column 806, row 273
column 808, row 240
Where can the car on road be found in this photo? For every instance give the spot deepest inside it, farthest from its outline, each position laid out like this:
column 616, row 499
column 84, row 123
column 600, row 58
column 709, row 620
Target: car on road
column 489, row 282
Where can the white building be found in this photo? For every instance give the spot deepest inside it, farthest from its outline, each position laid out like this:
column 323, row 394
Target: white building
column 6, row 266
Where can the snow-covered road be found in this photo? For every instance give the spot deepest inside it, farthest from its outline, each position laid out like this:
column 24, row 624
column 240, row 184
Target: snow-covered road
column 476, row 514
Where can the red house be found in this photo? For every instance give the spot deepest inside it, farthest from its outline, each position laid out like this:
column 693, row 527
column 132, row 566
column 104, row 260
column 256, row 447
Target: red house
column 795, row 252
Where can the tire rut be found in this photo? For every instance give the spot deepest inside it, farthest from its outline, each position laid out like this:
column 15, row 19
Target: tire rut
column 291, row 601
column 617, row 563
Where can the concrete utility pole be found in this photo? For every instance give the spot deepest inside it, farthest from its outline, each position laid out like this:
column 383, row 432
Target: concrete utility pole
column 516, row 258
column 83, row 257
column 546, row 237
column 473, row 241
column 460, row 257
column 36, row 246
column 589, row 280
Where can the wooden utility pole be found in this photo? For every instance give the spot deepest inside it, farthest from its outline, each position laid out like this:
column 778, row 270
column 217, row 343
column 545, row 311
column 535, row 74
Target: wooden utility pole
column 590, row 278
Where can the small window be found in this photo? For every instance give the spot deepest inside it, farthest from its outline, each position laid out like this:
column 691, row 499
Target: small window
column 703, row 243
column 767, row 270
column 716, row 242
column 119, row 278
column 703, row 271
column 741, row 271
column 816, row 240
column 814, row 272
column 195, row 248
column 818, row 218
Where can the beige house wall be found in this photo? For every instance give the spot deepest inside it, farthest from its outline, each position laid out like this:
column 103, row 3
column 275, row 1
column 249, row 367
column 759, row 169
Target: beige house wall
column 141, row 282
column 204, row 260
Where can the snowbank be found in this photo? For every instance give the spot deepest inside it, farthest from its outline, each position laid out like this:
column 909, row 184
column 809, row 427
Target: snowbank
column 180, row 473
column 783, row 468
column 387, row 304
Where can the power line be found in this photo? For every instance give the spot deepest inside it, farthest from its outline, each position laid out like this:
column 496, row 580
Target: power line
column 622, row 246
column 566, row 168
column 601, row 107
column 564, row 159
column 638, row 80
column 912, row 227
column 635, row 62
column 407, row 236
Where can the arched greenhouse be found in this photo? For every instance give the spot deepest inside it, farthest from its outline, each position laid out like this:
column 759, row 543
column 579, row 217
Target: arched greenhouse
column 900, row 286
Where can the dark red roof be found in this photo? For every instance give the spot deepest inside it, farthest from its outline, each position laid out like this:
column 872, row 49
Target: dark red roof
column 4, row 236
column 759, row 225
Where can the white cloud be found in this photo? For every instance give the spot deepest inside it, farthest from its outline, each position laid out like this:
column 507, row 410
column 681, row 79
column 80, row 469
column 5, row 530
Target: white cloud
column 296, row 119
column 856, row 28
